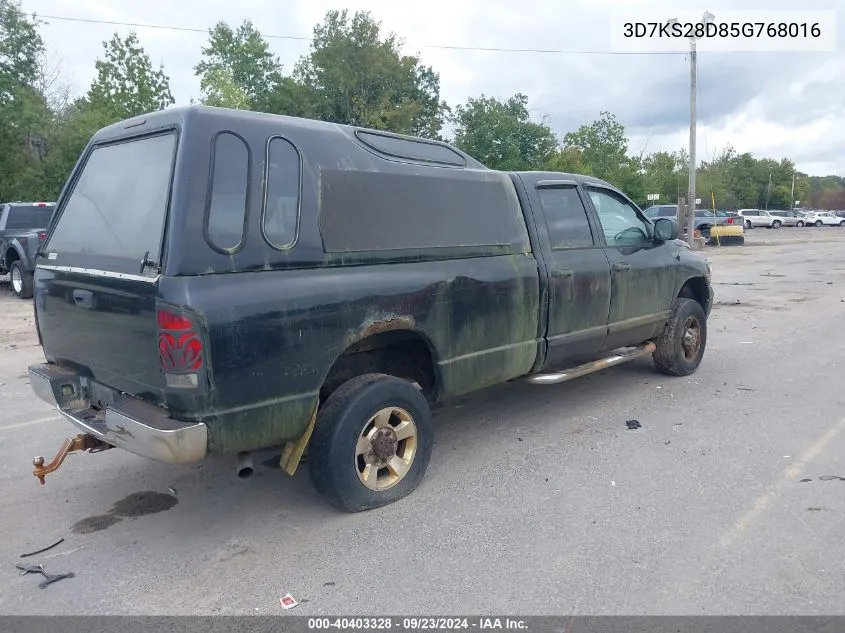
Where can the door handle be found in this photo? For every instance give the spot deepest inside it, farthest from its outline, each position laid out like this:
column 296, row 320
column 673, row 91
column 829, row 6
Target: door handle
column 622, row 266
column 83, row 298
column 562, row 272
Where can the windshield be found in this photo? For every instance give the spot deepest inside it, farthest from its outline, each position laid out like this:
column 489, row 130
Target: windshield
column 28, row 217
column 118, row 206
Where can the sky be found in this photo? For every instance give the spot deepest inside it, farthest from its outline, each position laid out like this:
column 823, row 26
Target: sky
column 772, row 104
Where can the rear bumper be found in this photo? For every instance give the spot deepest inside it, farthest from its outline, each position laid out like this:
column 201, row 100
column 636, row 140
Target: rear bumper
column 128, row 423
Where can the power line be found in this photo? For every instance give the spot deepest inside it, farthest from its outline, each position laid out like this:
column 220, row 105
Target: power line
column 490, row 49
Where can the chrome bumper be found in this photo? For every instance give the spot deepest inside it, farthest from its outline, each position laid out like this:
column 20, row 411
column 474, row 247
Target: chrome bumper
column 128, row 423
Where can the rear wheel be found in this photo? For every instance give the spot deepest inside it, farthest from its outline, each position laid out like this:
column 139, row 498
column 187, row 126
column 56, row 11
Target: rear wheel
column 372, row 442
column 680, row 347
column 21, row 281
column 748, row 224
column 842, row 223
column 777, row 224
column 799, row 223
column 819, row 222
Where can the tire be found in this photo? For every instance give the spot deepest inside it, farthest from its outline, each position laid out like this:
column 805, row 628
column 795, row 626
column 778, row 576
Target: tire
column 748, row 224
column 777, row 224
column 336, row 467
column 799, row 223
column 819, row 222
column 842, row 223
column 672, row 357
column 21, row 280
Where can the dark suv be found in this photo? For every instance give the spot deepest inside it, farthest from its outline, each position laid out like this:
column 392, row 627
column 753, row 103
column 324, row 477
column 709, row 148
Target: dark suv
column 219, row 281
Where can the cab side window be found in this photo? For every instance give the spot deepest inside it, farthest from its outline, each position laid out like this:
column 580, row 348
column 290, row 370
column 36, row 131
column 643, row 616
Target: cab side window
column 566, row 217
column 620, row 221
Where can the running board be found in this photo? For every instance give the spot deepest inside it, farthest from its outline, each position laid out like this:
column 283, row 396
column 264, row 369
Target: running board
column 588, row 368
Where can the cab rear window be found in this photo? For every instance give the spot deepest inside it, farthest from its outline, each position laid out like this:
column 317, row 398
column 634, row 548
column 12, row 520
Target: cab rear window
column 29, row 217
column 118, row 205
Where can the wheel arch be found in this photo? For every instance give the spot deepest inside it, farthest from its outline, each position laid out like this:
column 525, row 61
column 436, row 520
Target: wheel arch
column 695, row 288
column 389, row 345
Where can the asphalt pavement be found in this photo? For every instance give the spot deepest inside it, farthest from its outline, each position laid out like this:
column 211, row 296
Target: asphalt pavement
column 728, row 499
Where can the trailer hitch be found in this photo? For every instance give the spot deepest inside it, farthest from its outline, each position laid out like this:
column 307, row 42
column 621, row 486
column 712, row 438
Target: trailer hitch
column 82, row 442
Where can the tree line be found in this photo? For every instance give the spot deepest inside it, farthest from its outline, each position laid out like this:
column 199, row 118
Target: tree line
column 355, row 74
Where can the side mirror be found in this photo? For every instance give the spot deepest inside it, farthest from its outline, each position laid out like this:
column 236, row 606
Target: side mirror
column 665, row 230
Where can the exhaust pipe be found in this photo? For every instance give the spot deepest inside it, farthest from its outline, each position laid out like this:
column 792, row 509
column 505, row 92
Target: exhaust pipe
column 243, row 465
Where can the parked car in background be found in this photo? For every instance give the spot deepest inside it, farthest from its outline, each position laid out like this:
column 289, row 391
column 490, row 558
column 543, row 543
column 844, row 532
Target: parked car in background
column 752, row 218
column 789, row 218
column 704, row 218
column 824, row 218
column 23, row 227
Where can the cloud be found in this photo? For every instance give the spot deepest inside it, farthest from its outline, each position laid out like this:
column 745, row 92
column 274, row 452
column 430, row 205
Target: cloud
column 766, row 103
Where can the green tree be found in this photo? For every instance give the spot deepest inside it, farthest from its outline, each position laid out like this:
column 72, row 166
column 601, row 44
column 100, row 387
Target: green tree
column 661, row 175
column 354, row 76
column 20, row 47
column 238, row 70
column 604, row 148
column 220, row 90
column 24, row 116
column 501, row 134
column 126, row 83
column 569, row 160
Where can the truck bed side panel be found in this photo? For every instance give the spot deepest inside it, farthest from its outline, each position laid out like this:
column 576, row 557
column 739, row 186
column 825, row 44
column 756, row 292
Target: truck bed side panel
column 274, row 338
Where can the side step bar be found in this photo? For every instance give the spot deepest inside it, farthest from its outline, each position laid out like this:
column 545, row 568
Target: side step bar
column 554, row 378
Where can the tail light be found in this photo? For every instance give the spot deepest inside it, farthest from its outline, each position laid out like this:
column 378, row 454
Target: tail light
column 180, row 349
column 42, row 236
column 730, row 220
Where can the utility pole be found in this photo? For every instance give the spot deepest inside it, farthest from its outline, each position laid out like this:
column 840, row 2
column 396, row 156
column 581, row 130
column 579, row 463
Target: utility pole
column 705, row 19
column 792, row 192
column 692, row 104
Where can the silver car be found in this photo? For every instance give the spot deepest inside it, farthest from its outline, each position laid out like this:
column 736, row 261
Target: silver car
column 757, row 217
column 789, row 218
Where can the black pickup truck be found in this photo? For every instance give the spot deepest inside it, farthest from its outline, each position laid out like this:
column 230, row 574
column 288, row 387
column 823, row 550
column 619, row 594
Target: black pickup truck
column 23, row 227
column 220, row 281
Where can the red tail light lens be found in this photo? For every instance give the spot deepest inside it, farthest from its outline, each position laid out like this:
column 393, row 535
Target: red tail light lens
column 730, row 220
column 42, row 236
column 170, row 321
column 179, row 344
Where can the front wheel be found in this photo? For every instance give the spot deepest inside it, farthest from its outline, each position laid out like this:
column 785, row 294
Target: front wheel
column 748, row 224
column 21, row 281
column 842, row 223
column 799, row 223
column 777, row 224
column 680, row 347
column 372, row 442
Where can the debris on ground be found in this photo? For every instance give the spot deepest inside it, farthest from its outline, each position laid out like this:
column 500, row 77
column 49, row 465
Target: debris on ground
column 51, row 578
column 328, row 584
column 612, row 483
column 43, row 549
column 633, row 424
column 746, row 389
column 831, row 478
column 172, row 490
column 48, row 578
column 70, row 551
column 288, row 601
column 805, row 480
column 812, row 509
